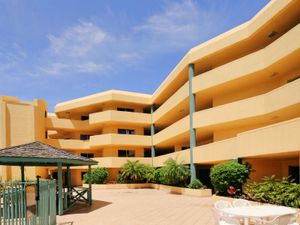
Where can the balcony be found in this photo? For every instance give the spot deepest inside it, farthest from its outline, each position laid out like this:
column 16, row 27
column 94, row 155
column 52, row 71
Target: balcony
column 120, row 139
column 281, row 54
column 116, row 117
column 118, row 162
column 178, row 97
column 54, row 123
column 174, row 130
column 69, row 144
column 282, row 100
column 278, row 139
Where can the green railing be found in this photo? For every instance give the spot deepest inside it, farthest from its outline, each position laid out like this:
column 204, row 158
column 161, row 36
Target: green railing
column 14, row 209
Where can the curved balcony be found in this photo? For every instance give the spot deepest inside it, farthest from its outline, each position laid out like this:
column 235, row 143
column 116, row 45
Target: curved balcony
column 85, row 103
column 119, row 139
column 69, row 144
column 281, row 101
column 118, row 162
column 278, row 139
column 235, row 43
column 179, row 96
column 174, row 130
column 54, row 123
column 117, row 117
column 281, row 54
column 262, row 61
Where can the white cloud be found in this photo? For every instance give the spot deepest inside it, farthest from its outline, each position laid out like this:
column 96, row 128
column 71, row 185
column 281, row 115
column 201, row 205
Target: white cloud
column 77, row 40
column 179, row 25
column 10, row 57
column 58, row 68
column 128, row 56
column 88, row 48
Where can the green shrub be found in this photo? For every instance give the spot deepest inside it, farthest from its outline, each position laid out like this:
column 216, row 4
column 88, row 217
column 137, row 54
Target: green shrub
column 196, row 184
column 274, row 191
column 98, row 176
column 152, row 175
column 174, row 174
column 229, row 177
column 134, row 172
column 120, row 179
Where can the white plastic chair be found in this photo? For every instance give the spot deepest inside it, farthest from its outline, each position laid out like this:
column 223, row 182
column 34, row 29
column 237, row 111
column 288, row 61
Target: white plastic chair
column 279, row 220
column 241, row 202
column 219, row 205
column 294, row 219
column 224, row 220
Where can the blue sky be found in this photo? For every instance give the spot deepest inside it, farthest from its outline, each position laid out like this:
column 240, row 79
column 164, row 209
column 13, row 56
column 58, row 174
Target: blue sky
column 60, row 50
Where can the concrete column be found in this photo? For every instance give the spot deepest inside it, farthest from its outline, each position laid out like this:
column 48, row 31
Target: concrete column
column 60, row 191
column 152, row 128
column 69, row 185
column 192, row 130
column 90, row 186
column 22, row 174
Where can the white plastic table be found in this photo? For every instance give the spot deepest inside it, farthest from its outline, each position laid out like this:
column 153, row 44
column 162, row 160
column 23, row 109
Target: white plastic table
column 262, row 211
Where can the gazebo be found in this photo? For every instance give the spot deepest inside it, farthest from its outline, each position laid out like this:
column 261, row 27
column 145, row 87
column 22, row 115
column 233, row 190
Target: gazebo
column 40, row 154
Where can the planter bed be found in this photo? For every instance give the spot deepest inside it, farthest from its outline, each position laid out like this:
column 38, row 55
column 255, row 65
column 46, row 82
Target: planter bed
column 171, row 189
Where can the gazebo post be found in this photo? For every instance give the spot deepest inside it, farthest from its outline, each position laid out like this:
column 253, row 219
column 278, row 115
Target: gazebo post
column 90, row 186
column 60, row 187
column 22, row 174
column 68, row 184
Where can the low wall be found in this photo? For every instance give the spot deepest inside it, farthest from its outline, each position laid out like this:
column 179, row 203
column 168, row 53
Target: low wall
column 171, row 189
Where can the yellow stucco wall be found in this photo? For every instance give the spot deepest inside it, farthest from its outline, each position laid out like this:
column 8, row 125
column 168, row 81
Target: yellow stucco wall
column 21, row 122
column 246, row 106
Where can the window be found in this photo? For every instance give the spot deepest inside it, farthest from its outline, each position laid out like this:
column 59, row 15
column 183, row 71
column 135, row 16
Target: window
column 87, row 155
column 84, row 137
column 46, row 113
column 82, row 174
column 125, row 131
column 84, row 117
column 294, row 173
column 46, row 134
column 126, row 153
column 125, row 109
column 147, row 152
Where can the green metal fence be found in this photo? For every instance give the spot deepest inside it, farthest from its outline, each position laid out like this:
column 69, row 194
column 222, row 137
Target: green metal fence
column 14, row 209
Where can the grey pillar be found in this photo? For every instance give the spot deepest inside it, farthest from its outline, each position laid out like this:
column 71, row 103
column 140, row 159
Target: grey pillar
column 60, row 189
column 192, row 130
column 68, row 184
column 22, row 174
column 152, row 128
column 90, row 186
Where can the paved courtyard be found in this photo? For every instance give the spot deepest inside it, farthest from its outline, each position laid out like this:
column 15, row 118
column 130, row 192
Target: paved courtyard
column 142, row 207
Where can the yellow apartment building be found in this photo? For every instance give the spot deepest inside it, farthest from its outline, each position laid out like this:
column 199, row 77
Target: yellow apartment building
column 236, row 96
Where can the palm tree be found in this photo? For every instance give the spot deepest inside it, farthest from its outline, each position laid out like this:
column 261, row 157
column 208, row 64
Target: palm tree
column 134, row 172
column 174, row 173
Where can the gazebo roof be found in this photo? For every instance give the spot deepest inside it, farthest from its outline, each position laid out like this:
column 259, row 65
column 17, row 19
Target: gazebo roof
column 40, row 154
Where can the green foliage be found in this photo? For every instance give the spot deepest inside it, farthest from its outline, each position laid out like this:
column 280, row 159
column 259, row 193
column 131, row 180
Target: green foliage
column 229, row 175
column 196, row 184
column 98, row 176
column 274, row 191
column 174, row 174
column 152, row 175
column 135, row 172
column 120, row 179
column 171, row 174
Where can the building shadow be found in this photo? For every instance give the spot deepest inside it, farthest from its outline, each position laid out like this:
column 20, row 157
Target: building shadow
column 66, row 223
column 81, row 208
